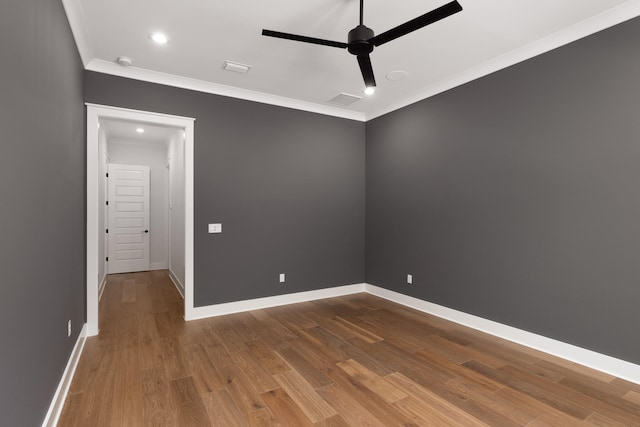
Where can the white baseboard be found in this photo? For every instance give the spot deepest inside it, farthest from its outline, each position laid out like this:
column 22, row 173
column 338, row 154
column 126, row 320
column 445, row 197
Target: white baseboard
column 258, row 303
column 177, row 283
column 55, row 409
column 158, row 266
column 601, row 362
column 103, row 283
column 607, row 364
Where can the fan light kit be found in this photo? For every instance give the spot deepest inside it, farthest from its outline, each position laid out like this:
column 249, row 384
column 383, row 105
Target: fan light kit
column 362, row 41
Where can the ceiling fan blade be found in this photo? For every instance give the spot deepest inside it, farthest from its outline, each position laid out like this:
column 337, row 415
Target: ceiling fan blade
column 305, row 39
column 417, row 23
column 367, row 70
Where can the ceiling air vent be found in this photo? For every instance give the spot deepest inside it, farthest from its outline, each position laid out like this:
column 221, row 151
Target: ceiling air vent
column 236, row 67
column 344, row 99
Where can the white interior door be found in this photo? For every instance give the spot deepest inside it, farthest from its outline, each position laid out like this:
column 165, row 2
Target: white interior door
column 128, row 234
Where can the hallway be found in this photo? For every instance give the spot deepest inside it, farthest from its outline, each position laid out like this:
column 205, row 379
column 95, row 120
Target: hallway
column 122, row 372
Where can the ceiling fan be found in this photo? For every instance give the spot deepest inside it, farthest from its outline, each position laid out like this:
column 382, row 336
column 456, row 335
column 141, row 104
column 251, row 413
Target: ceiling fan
column 361, row 40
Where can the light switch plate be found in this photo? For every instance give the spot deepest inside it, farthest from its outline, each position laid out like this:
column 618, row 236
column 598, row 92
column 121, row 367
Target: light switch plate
column 215, row 228
column 410, row 279
column 282, row 278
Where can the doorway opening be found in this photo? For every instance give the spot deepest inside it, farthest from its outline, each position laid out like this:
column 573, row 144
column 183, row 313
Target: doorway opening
column 131, row 208
column 115, row 146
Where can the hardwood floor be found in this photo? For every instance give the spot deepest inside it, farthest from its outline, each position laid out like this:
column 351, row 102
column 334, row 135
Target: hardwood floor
column 349, row 361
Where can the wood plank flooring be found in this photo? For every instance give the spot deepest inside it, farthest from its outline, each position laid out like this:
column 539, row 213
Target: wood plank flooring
column 350, row 361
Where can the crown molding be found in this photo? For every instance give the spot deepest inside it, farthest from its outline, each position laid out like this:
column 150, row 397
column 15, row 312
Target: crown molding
column 135, row 73
column 602, row 21
column 609, row 18
column 75, row 16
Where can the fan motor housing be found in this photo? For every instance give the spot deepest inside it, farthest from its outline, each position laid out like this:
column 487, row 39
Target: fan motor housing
column 359, row 40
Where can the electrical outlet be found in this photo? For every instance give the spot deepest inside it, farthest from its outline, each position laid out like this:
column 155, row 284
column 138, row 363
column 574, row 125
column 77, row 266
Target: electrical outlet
column 69, row 328
column 281, row 277
column 410, row 279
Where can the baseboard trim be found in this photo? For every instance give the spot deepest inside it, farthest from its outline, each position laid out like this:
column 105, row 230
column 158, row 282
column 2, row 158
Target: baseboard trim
column 274, row 301
column 177, row 283
column 601, row 362
column 55, row 409
column 103, row 283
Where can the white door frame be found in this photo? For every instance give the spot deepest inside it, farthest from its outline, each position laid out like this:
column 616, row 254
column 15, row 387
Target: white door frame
column 167, row 179
column 94, row 114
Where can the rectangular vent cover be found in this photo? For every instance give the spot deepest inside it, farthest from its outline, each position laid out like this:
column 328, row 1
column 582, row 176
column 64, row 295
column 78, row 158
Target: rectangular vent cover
column 344, row 99
column 236, row 67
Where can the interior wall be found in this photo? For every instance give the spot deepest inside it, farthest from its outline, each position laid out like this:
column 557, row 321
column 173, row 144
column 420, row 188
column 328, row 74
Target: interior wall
column 177, row 205
column 103, row 160
column 155, row 156
column 42, row 187
column 515, row 197
column 287, row 186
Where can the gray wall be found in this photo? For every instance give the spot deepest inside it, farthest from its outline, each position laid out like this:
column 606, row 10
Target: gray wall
column 287, row 185
column 516, row 197
column 513, row 197
column 41, row 183
column 103, row 161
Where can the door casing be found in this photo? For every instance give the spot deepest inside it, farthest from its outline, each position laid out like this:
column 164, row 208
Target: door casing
column 96, row 112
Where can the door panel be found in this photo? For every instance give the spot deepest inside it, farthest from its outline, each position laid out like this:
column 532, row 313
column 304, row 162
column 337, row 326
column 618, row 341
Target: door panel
column 129, row 222
column 129, row 191
column 122, row 239
column 128, row 218
column 129, row 207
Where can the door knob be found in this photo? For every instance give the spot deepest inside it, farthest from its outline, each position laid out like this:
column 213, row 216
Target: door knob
column 146, row 231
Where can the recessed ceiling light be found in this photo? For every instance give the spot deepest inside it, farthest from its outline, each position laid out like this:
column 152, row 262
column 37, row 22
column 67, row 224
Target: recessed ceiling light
column 370, row 90
column 397, row 75
column 140, row 130
column 159, row 38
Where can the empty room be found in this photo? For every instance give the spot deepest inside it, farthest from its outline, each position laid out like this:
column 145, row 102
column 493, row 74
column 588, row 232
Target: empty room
column 320, row 213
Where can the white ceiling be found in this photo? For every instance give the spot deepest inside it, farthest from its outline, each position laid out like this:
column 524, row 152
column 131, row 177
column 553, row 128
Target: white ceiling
column 486, row 36
column 122, row 131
